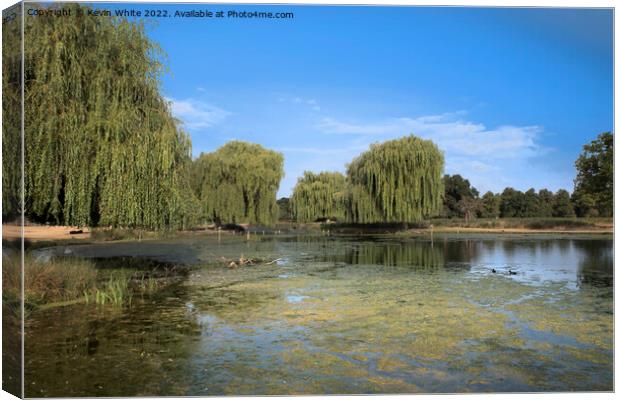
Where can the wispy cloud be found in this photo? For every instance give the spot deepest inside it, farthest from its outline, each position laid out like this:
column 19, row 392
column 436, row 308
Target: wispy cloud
column 330, row 125
column 451, row 133
column 491, row 158
column 196, row 114
column 312, row 103
column 324, row 151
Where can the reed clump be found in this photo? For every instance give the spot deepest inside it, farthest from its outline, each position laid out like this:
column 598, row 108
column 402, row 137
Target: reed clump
column 115, row 290
column 68, row 280
column 56, row 280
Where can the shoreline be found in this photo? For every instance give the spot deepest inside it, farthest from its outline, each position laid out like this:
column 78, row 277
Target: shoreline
column 591, row 231
column 39, row 233
column 44, row 232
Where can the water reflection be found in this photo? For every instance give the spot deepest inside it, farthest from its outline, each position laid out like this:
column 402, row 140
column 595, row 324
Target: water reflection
column 595, row 264
column 534, row 258
column 389, row 253
column 575, row 262
column 97, row 351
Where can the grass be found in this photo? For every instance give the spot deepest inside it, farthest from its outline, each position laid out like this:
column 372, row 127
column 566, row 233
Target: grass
column 533, row 223
column 148, row 284
column 69, row 280
column 115, row 290
column 524, row 223
column 58, row 280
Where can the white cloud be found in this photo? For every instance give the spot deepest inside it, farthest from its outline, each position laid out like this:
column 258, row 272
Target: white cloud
column 195, row 114
column 454, row 135
column 491, row 158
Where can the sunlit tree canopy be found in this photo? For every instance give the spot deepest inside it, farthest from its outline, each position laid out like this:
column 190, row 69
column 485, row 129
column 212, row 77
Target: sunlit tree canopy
column 101, row 145
column 319, row 196
column 397, row 181
column 238, row 183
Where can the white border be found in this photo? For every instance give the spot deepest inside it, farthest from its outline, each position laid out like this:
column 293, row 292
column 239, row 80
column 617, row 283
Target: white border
column 475, row 3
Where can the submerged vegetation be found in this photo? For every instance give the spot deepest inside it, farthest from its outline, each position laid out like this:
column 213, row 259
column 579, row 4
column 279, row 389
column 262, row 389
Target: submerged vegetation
column 419, row 311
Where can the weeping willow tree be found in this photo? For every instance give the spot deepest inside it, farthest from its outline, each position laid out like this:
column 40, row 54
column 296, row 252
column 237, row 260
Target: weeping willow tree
column 101, row 144
column 361, row 206
column 396, row 181
column 238, row 183
column 319, row 196
column 11, row 113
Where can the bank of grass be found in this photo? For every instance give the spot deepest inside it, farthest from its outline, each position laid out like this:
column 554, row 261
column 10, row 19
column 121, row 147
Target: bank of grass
column 560, row 224
column 69, row 280
column 59, row 280
column 494, row 225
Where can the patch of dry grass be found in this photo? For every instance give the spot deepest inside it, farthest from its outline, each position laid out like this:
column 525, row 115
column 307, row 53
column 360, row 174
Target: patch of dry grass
column 59, row 279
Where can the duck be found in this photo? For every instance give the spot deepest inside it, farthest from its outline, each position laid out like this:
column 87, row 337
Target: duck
column 510, row 272
column 493, row 270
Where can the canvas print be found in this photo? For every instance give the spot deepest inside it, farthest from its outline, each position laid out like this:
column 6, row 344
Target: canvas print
column 212, row 199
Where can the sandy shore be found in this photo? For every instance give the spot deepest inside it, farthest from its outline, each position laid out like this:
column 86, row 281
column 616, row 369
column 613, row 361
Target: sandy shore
column 44, row 232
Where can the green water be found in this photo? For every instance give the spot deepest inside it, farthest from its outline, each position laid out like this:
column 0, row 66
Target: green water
column 342, row 315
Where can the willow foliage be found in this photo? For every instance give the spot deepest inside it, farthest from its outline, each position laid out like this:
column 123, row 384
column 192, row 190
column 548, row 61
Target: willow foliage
column 238, row 183
column 11, row 113
column 396, row 181
column 361, row 206
column 101, row 144
column 317, row 196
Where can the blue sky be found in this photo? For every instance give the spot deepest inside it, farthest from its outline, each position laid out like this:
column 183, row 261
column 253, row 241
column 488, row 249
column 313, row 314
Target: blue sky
column 509, row 95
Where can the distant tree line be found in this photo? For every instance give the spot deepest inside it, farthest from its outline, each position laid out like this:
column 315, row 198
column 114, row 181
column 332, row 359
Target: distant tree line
column 593, row 194
column 332, row 195
column 462, row 200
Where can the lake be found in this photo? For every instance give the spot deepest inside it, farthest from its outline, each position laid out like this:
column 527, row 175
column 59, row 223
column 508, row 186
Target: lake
column 340, row 315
